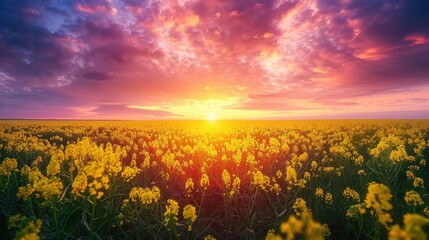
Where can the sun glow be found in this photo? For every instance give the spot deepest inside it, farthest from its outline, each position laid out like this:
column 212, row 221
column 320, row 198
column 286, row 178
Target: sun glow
column 212, row 117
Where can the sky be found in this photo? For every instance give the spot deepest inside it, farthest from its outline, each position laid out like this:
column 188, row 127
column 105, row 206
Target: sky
column 223, row 59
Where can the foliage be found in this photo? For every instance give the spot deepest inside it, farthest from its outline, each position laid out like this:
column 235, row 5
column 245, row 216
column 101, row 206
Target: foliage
column 214, row 180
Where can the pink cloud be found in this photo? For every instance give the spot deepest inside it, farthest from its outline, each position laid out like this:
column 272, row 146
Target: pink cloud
column 91, row 9
column 416, row 39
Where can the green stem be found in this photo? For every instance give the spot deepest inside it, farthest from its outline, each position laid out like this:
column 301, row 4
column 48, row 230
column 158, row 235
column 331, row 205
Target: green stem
column 360, row 224
column 54, row 210
column 92, row 233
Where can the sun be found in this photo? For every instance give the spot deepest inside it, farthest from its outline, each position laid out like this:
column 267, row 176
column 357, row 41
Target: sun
column 212, row 117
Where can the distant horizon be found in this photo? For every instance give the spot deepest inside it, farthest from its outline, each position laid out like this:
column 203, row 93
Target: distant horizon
column 425, row 116
column 194, row 59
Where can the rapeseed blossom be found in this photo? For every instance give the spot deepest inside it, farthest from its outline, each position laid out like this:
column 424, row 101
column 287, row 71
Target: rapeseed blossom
column 378, row 200
column 413, row 198
column 190, row 215
column 171, row 213
column 7, row 166
column 26, row 228
column 351, row 194
column 145, row 195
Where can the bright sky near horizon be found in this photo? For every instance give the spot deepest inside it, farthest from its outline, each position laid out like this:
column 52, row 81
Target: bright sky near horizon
column 214, row 59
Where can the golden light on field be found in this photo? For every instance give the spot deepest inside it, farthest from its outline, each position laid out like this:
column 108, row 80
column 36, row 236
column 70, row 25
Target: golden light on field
column 158, row 172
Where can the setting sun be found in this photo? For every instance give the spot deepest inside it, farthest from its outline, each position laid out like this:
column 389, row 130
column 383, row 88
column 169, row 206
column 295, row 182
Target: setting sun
column 212, row 117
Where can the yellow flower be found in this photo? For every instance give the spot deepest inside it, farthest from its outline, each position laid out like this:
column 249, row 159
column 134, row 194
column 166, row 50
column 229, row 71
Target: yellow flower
column 410, row 174
column 260, row 180
column 313, row 165
column 171, row 213
column 351, row 194
column 7, row 166
column 146, row 195
column 413, row 225
column 328, row 169
column 235, row 186
column 303, row 227
column 15, row 220
column 130, row 172
column 204, row 181
column 359, row 161
column 226, row 178
column 290, row 175
column 319, row 193
column 413, row 198
column 300, row 206
column 209, row 237
column 25, row 170
column 54, row 165
column 189, row 214
column 189, row 186
column 291, row 227
column 418, row 182
column 79, row 184
column 279, row 174
column 355, row 210
column 307, row 176
column 37, row 161
column 396, row 233
column 276, row 188
column 26, row 228
column 377, row 199
column 40, row 185
column 413, row 228
column 271, row 235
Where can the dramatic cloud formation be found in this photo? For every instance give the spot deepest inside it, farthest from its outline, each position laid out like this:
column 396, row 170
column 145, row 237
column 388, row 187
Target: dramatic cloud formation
column 187, row 59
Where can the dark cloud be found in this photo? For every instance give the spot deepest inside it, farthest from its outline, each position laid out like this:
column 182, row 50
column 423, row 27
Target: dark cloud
column 96, row 76
column 97, row 30
column 389, row 22
column 28, row 51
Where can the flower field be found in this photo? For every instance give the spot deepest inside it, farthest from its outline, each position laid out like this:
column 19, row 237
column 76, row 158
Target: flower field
column 360, row 179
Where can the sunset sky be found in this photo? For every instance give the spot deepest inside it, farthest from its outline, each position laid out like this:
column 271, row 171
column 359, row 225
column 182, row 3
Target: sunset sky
column 186, row 59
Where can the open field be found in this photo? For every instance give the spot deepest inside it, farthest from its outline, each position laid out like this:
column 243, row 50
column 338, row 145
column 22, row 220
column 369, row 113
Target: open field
column 360, row 179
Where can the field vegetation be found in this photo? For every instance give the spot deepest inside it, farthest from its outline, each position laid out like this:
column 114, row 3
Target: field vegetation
column 362, row 179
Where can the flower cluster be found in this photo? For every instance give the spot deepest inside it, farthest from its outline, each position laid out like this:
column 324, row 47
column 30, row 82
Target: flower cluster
column 171, row 213
column 413, row 198
column 303, row 227
column 7, row 166
column 26, row 228
column 204, row 181
column 189, row 186
column 351, row 194
column 145, row 195
column 40, row 185
column 300, row 206
column 413, row 228
column 190, row 215
column 378, row 200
